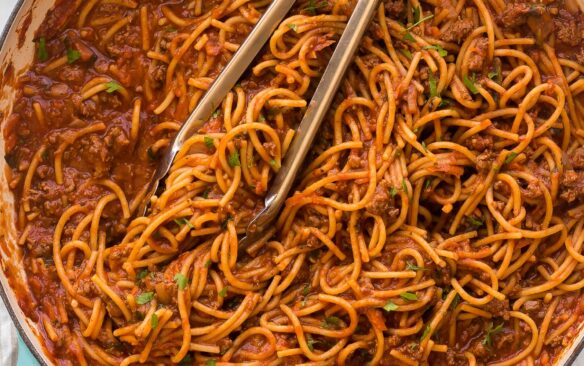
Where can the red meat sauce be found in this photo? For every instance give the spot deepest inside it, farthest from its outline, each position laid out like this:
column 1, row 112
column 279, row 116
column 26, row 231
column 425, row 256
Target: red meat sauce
column 112, row 154
column 106, row 154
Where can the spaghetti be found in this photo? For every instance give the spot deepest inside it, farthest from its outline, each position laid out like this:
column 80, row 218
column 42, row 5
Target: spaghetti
column 439, row 219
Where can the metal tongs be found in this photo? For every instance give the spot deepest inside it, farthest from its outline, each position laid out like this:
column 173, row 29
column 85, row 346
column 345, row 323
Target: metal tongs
column 308, row 127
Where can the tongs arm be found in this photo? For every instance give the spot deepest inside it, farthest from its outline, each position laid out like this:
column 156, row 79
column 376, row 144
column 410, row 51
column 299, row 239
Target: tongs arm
column 315, row 113
column 224, row 82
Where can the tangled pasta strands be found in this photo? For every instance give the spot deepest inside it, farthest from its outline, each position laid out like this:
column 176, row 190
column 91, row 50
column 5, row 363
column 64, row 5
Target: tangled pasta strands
column 430, row 217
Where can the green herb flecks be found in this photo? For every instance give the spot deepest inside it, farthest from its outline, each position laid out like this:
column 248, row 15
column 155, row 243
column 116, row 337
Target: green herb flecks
column 406, row 52
column 470, row 84
column 181, row 281
column 112, row 86
column 72, row 55
column 409, row 37
column 393, row 191
column 488, row 340
column 412, row 267
column 441, row 51
column 420, row 21
column 426, row 332
column 141, row 275
column 209, row 142
column 183, row 221
column 427, row 183
column 234, row 159
column 223, row 291
column 390, row 306
column 512, row 155
column 43, row 54
column 331, row 322
column 432, row 85
column 475, row 221
column 144, row 298
column 186, row 361
column 313, row 6
column 154, row 321
column 416, row 11
column 410, row 296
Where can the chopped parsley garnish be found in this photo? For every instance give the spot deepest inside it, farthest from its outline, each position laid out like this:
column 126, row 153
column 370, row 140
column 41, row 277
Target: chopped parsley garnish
column 426, row 332
column 145, row 298
column 312, row 6
column 409, row 296
column 404, row 185
column 496, row 74
column 393, row 191
column 441, row 51
column 470, row 84
column 112, row 86
column 42, row 53
column 455, row 301
column 181, row 281
column 512, row 155
column 445, row 103
column 154, row 321
column 234, row 159
column 261, row 118
column 224, row 223
column 310, row 342
column 294, row 27
column 273, row 162
column 331, row 321
column 187, row 361
column 306, row 290
column 142, row 275
column 183, row 221
column 488, row 340
column 208, row 263
column 420, row 21
column 72, row 55
column 412, row 267
column 223, row 291
column 216, row 113
column 408, row 37
column 406, row 53
column 432, row 85
column 424, row 146
column 475, row 221
column 210, row 363
column 209, row 142
column 427, row 183
column 416, row 13
column 390, row 306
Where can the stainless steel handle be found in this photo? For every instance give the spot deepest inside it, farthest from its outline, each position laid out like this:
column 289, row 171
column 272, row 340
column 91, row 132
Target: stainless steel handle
column 315, row 113
column 240, row 61
column 226, row 80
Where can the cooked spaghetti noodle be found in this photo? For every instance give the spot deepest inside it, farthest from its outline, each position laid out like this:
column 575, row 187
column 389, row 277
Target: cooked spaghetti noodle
column 439, row 219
